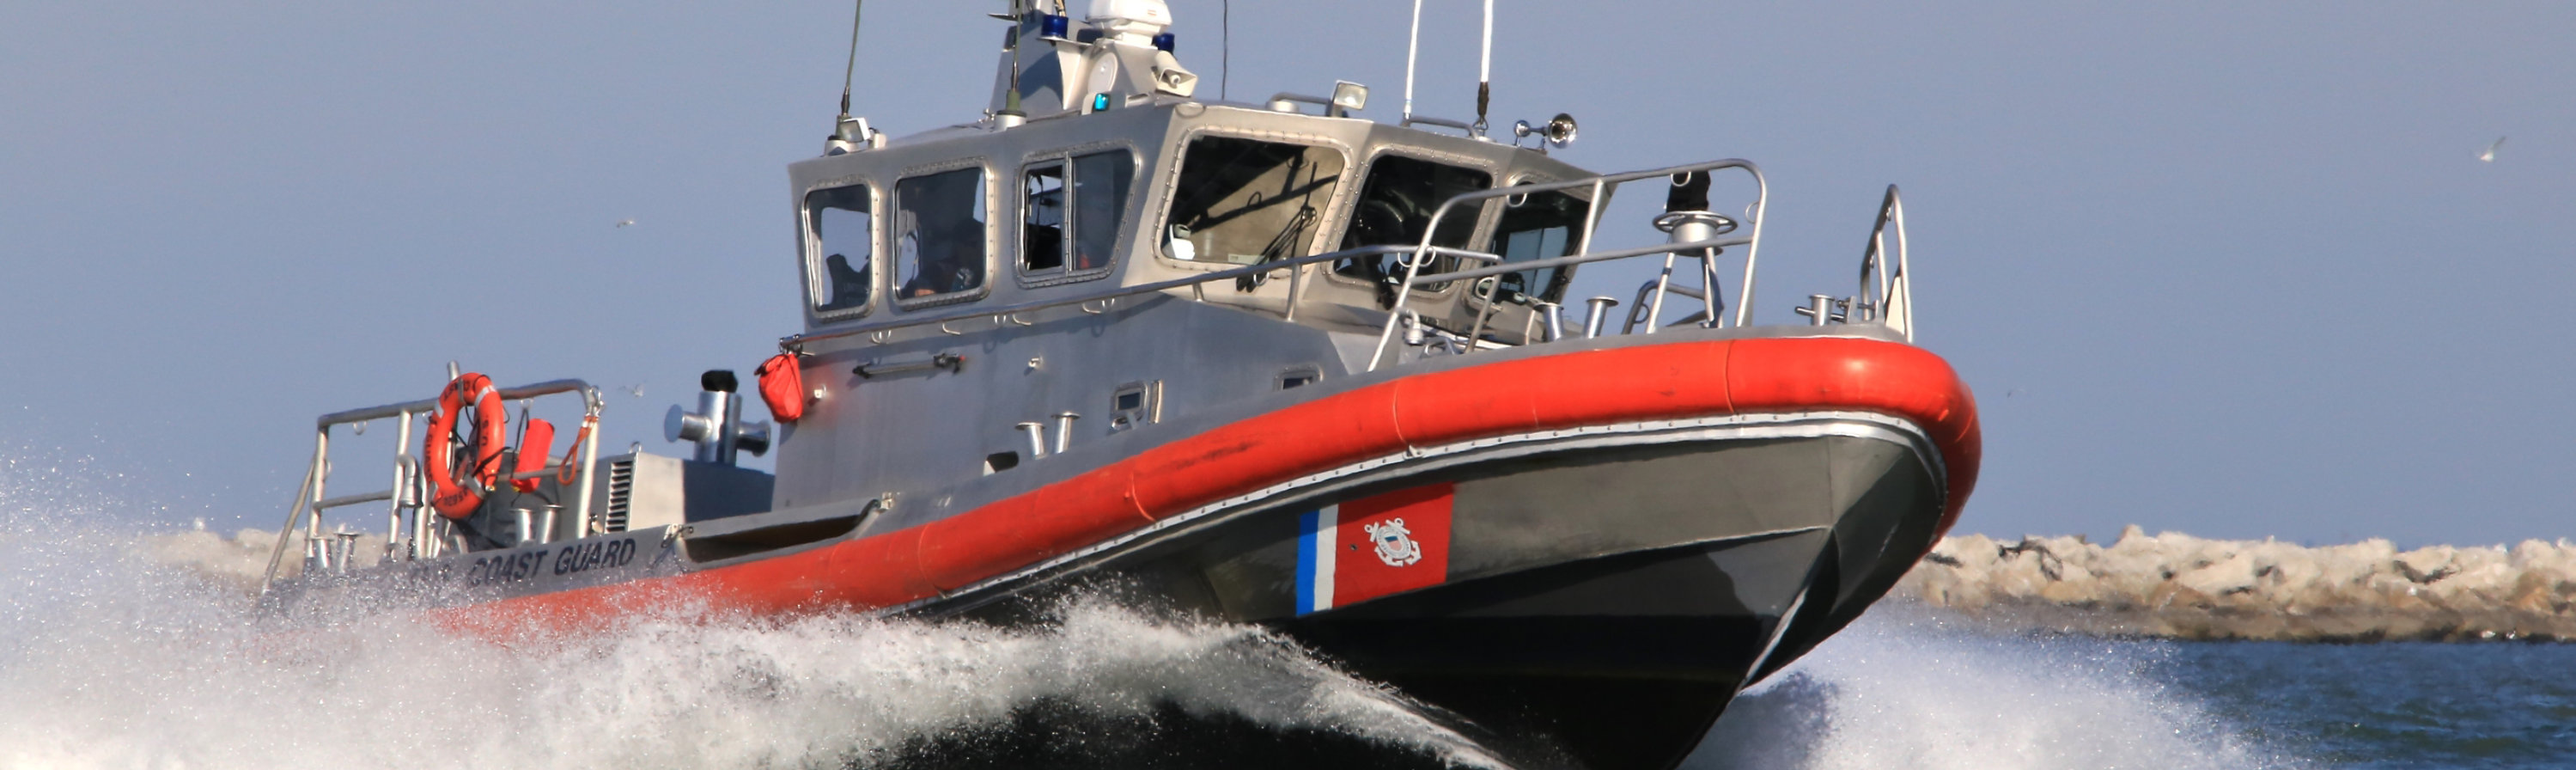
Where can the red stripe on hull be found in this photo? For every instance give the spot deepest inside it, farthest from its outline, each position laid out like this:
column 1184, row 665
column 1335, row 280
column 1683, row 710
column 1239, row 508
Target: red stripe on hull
column 1584, row 388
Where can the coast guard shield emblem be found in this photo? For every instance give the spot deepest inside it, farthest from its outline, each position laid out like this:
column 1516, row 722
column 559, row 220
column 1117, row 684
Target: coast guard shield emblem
column 1382, row 544
column 1395, row 544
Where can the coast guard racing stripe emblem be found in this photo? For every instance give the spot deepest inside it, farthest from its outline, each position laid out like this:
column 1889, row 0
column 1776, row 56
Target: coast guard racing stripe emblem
column 1373, row 546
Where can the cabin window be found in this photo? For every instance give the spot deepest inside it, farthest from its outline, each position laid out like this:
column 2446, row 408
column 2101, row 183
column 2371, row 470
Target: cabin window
column 839, row 218
column 1245, row 201
column 939, row 241
column 1042, row 226
column 1395, row 208
column 1538, row 226
column 1073, row 224
column 1100, row 182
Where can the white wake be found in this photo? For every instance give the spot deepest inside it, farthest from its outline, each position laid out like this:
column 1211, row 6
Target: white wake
column 112, row 657
column 1906, row 688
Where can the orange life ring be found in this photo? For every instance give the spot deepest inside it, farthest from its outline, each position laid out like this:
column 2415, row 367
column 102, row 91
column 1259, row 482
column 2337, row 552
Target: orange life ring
column 458, row 491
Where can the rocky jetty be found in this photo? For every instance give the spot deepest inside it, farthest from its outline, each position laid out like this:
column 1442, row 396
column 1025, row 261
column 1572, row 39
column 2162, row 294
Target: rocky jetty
column 2173, row 585
column 2169, row 585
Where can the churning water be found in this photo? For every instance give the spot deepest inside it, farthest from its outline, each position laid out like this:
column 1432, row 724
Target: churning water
column 1906, row 689
column 109, row 659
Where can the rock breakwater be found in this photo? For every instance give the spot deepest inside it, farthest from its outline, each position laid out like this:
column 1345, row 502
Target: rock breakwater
column 2169, row 585
column 2173, row 585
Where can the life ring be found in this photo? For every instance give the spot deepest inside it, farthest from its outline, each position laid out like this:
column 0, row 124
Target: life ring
column 455, row 497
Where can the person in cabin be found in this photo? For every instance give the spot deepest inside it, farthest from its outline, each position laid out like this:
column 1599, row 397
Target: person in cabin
column 849, row 286
column 943, row 215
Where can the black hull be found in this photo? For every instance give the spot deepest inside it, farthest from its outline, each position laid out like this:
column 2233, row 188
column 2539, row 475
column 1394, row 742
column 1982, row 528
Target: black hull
column 1604, row 604
column 1619, row 662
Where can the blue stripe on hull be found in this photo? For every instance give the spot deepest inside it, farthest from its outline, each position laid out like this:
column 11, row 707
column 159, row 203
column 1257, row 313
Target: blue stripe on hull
column 1306, row 548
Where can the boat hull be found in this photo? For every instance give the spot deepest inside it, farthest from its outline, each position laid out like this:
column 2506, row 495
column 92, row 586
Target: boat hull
column 1583, row 553
column 1597, row 602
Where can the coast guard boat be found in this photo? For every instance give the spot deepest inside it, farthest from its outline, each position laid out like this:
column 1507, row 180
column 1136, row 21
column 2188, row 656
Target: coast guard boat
column 1273, row 363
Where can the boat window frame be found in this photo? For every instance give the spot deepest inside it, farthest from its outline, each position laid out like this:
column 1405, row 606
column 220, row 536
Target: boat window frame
column 1482, row 230
column 992, row 244
column 811, row 246
column 1167, row 189
column 1064, row 156
column 1495, row 230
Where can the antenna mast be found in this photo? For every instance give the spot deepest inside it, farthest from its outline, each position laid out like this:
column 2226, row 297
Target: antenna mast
column 1412, row 48
column 851, row 69
column 1484, row 70
column 848, row 132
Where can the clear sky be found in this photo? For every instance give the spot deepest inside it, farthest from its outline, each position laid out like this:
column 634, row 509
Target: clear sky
column 2228, row 269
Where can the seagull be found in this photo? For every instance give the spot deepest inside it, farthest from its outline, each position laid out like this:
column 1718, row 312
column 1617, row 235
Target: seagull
column 625, row 222
column 636, row 390
column 2489, row 155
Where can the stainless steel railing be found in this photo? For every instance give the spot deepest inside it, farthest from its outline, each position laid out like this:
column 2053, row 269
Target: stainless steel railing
column 1885, row 295
column 409, row 533
column 1700, row 244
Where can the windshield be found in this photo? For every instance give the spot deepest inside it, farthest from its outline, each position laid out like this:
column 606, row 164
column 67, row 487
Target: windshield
column 1538, row 226
column 1246, row 201
column 1395, row 208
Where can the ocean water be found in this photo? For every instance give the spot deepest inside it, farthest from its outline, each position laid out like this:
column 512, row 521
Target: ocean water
column 1907, row 687
column 111, row 660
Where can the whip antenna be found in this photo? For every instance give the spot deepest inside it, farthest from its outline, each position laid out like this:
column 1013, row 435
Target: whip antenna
column 851, row 69
column 848, row 132
column 1225, row 49
column 1412, row 48
column 1484, row 70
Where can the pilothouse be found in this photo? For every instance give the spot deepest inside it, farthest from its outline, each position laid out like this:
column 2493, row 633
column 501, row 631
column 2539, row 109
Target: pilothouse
column 1274, row 363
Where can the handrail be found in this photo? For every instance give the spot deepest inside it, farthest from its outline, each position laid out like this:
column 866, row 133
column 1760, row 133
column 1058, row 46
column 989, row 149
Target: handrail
column 1418, row 252
column 791, row 342
column 531, row 390
column 1578, row 259
column 1887, row 295
column 310, row 502
column 1600, row 186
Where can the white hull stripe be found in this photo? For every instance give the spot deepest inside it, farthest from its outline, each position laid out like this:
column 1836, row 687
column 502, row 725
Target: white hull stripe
column 1315, row 558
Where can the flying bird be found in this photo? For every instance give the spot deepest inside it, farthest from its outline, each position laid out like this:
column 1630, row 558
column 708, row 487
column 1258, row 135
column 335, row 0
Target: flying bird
column 636, row 390
column 2489, row 155
column 625, row 222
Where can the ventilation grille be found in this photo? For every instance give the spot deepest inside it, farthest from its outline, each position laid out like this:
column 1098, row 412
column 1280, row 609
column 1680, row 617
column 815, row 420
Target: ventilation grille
column 621, row 494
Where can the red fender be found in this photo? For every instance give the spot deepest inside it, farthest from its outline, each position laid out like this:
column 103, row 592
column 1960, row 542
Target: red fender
column 782, row 386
